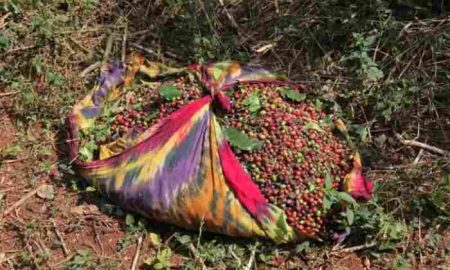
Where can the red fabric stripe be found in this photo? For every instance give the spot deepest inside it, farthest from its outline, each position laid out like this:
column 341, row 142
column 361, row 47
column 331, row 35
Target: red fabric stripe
column 247, row 192
column 165, row 128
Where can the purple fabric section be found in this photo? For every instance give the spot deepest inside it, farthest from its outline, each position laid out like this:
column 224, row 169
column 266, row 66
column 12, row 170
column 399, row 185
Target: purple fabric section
column 109, row 78
column 180, row 167
column 91, row 112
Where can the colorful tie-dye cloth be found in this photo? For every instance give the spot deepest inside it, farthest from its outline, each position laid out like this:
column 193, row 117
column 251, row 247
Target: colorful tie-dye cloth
column 182, row 170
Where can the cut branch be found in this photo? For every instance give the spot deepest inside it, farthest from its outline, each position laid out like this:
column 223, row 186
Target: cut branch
column 108, row 48
column 90, row 68
column 61, row 239
column 9, row 93
column 425, row 146
column 356, row 248
column 136, row 255
column 21, row 201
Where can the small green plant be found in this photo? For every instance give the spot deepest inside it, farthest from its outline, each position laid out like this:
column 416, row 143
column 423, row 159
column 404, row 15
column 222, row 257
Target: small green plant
column 373, row 223
column 365, row 66
column 82, row 260
column 333, row 196
column 10, row 151
column 55, row 79
column 13, row 6
column 44, row 26
column 4, row 41
column 24, row 259
column 37, row 64
column 133, row 229
column 89, row 4
column 161, row 261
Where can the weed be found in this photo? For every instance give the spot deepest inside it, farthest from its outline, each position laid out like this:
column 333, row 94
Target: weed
column 133, row 229
column 4, row 41
column 10, row 151
column 161, row 261
column 365, row 67
column 82, row 260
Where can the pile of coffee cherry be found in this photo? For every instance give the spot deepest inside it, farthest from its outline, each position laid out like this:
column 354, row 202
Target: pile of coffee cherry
column 299, row 147
column 299, row 150
column 141, row 107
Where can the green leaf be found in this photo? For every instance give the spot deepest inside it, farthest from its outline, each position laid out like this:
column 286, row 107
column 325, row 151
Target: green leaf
column 252, row 102
column 350, row 216
column 362, row 131
column 86, row 153
column 46, row 192
column 303, row 247
column 326, row 203
column 346, row 197
column 154, row 238
column 129, row 220
column 447, row 182
column 328, row 182
column 293, row 95
column 4, row 41
column 55, row 79
column 374, row 73
column 217, row 72
column 241, row 140
column 401, row 264
column 314, row 126
column 90, row 189
column 184, row 239
column 169, row 92
column 162, row 260
column 447, row 249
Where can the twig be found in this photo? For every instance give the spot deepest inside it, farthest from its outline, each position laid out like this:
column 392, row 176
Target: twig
column 374, row 57
column 7, row 189
column 194, row 252
column 231, row 18
column 356, row 248
column 425, row 146
column 124, row 44
column 235, row 257
column 79, row 45
column 20, row 49
column 2, row 20
column 54, row 266
column 9, row 93
column 147, row 50
column 90, row 68
column 136, row 255
column 21, row 201
column 108, row 48
column 419, row 155
column 8, row 258
column 94, row 29
column 60, row 239
column 8, row 161
column 321, row 82
column 398, row 167
column 97, row 238
column 250, row 261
